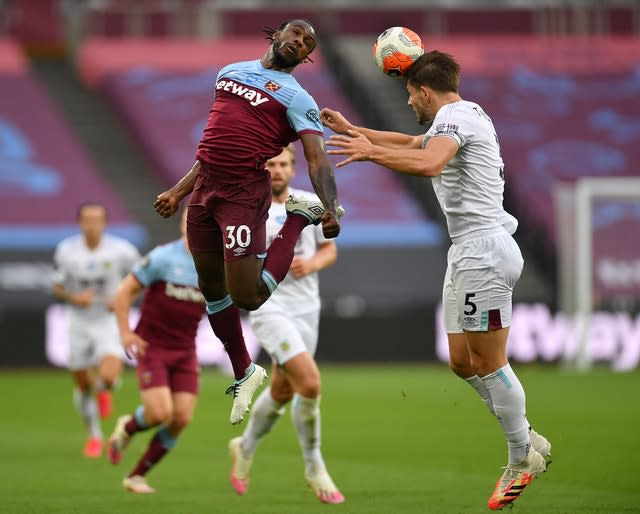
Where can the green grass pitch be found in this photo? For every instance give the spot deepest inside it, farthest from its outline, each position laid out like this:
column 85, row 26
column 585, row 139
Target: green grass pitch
column 397, row 439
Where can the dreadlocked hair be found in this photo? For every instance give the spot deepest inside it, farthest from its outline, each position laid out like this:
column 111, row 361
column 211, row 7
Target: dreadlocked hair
column 270, row 31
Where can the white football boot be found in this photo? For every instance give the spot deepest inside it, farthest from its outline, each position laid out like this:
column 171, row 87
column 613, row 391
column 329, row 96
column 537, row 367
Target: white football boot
column 515, row 479
column 320, row 482
column 118, row 440
column 310, row 209
column 243, row 391
column 137, row 484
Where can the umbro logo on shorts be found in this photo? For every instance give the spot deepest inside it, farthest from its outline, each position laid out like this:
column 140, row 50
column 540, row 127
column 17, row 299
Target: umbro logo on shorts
column 316, row 209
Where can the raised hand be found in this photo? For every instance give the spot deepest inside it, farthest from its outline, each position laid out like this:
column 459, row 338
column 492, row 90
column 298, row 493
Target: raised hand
column 166, row 204
column 335, row 121
column 354, row 144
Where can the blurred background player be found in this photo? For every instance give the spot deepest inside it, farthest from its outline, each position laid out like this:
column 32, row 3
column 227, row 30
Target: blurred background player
column 287, row 328
column 164, row 345
column 461, row 153
column 258, row 109
column 87, row 270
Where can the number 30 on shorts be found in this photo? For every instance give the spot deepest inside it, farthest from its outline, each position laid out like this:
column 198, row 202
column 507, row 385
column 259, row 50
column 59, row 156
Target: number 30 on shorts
column 238, row 235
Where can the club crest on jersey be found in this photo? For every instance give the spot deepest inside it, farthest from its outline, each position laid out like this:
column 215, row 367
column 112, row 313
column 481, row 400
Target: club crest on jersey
column 272, row 86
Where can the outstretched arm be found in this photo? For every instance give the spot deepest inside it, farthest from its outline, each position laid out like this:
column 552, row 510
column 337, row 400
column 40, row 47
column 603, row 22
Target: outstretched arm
column 167, row 203
column 323, row 181
column 425, row 163
column 338, row 123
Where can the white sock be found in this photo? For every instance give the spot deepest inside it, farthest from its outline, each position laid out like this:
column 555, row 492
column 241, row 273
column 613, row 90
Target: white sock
column 478, row 384
column 87, row 407
column 509, row 406
column 264, row 414
column 305, row 413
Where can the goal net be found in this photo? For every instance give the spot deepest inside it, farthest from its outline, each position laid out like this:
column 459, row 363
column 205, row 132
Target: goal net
column 598, row 241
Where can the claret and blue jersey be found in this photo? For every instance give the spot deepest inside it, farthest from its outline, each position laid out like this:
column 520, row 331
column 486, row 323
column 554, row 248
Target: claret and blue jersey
column 255, row 113
column 173, row 305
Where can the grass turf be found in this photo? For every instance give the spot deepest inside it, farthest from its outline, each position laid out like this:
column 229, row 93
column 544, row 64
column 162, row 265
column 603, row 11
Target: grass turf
column 397, row 439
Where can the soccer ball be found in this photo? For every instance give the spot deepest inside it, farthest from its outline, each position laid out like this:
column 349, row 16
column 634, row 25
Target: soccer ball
column 396, row 50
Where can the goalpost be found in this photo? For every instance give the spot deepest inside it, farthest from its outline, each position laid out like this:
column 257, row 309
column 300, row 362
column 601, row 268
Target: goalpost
column 575, row 222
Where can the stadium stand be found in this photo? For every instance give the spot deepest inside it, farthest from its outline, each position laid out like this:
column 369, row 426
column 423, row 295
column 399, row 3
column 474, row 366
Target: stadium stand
column 44, row 173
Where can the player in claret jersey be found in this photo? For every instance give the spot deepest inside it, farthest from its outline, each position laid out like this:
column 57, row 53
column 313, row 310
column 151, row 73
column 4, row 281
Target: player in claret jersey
column 258, row 109
column 164, row 345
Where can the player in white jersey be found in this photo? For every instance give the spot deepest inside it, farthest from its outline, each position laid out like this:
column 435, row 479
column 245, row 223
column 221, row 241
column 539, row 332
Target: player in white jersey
column 287, row 328
column 460, row 152
column 88, row 269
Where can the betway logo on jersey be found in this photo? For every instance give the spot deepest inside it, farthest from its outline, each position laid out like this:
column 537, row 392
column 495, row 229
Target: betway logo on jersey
column 184, row 293
column 254, row 97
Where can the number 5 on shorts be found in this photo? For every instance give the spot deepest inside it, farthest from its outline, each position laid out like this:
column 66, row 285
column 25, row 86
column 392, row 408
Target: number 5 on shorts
column 468, row 303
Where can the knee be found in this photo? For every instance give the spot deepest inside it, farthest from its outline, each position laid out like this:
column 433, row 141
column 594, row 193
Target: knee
column 180, row 420
column 109, row 377
column 109, row 368
column 248, row 302
column 462, row 368
column 309, row 386
column 281, row 392
column 156, row 414
column 83, row 381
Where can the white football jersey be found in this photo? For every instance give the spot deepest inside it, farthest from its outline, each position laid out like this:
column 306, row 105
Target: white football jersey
column 294, row 295
column 77, row 268
column 471, row 186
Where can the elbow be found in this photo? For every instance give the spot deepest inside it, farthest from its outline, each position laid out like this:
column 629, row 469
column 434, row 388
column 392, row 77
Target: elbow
column 429, row 170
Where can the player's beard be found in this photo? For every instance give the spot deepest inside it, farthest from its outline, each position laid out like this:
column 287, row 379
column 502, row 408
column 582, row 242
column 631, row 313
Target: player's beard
column 423, row 118
column 278, row 189
column 280, row 58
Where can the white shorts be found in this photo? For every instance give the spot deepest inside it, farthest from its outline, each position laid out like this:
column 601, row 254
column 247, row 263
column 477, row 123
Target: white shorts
column 478, row 284
column 283, row 336
column 90, row 341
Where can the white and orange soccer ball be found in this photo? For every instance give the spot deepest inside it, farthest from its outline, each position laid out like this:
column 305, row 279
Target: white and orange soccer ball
column 396, row 50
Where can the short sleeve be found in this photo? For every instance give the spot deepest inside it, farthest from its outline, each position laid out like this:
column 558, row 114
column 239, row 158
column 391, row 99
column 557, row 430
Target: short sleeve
column 450, row 123
column 147, row 269
column 130, row 257
column 58, row 275
column 303, row 114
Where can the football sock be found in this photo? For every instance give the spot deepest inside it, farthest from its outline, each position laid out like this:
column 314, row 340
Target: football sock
column 86, row 405
column 305, row 413
column 509, row 400
column 280, row 253
column 137, row 422
column 478, row 384
column 224, row 318
column 264, row 414
column 159, row 445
